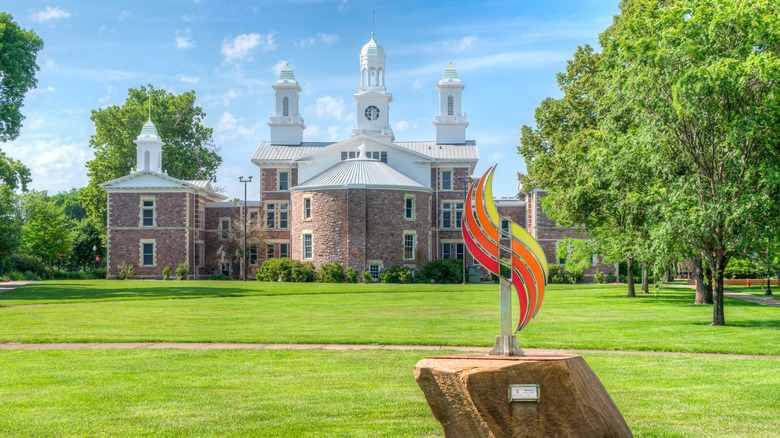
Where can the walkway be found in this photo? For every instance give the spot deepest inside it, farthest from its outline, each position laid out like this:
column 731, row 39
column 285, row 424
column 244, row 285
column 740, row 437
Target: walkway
column 8, row 285
column 336, row 347
column 771, row 301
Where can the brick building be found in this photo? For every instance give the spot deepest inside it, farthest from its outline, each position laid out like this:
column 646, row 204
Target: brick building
column 367, row 202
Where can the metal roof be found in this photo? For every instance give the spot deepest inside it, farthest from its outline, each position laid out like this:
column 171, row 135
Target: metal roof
column 200, row 183
column 270, row 152
column 360, row 173
column 149, row 130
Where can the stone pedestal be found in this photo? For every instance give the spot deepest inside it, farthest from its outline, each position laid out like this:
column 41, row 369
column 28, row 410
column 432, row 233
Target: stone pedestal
column 468, row 394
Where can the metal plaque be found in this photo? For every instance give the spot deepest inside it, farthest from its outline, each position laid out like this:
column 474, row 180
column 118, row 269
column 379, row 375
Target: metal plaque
column 524, row 393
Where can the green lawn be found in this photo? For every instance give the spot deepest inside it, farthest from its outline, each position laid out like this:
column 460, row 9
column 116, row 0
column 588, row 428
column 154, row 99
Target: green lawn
column 756, row 290
column 571, row 317
column 317, row 393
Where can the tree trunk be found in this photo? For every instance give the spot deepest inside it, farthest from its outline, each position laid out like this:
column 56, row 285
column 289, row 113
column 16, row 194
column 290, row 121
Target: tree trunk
column 645, row 283
column 703, row 282
column 630, row 275
column 718, row 317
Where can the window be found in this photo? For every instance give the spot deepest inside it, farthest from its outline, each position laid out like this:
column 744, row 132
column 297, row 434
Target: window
column 283, row 216
column 224, row 269
column 269, row 251
column 409, row 210
column 446, row 180
column 253, row 217
column 410, row 245
column 270, row 216
column 374, row 271
column 446, row 252
column 307, row 251
column 224, row 225
column 348, row 155
column 253, row 254
column 504, row 229
column 459, row 251
column 283, row 250
column 377, row 155
column 451, row 214
column 148, row 254
column 284, row 180
column 147, row 213
column 146, row 160
column 306, row 209
column 450, row 105
column 199, row 261
column 286, row 106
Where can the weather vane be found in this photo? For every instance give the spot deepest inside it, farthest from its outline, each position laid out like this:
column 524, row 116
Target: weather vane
column 514, row 250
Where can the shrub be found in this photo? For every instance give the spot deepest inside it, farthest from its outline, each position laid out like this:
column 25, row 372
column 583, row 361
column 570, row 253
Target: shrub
column 367, row 278
column 576, row 274
column 305, row 273
column 182, row 271
column 62, row 275
column 31, row 276
column 15, row 275
column 331, row 273
column 25, row 263
column 557, row 275
column 442, row 271
column 351, row 275
column 166, row 273
column 221, row 277
column 286, row 269
column 611, row 278
column 396, row 274
column 598, row 277
column 99, row 273
column 269, row 270
column 125, row 271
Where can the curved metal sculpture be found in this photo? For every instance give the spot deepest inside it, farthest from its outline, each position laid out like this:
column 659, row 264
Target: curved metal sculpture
column 513, row 249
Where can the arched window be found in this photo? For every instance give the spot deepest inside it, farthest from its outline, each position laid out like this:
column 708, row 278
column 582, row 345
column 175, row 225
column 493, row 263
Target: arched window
column 450, row 105
column 286, row 106
column 146, row 160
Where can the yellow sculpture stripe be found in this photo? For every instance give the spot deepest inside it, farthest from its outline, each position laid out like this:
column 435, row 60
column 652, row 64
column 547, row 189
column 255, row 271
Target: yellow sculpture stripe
column 490, row 206
column 529, row 242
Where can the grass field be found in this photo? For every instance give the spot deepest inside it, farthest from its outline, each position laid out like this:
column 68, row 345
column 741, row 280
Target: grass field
column 364, row 393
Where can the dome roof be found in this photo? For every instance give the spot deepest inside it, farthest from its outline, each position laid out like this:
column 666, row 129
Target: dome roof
column 372, row 48
column 149, row 130
column 450, row 73
column 361, row 173
column 286, row 74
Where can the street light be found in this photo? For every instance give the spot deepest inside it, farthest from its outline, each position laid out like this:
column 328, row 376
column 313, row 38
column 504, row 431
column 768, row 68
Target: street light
column 94, row 259
column 465, row 188
column 241, row 179
column 768, row 291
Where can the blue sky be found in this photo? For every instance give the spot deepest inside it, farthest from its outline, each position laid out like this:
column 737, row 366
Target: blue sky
column 506, row 52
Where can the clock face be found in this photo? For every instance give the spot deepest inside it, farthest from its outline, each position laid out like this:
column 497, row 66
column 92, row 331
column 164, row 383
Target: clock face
column 372, row 113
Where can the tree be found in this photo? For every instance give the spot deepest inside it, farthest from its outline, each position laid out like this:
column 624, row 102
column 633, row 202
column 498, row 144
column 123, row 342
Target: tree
column 85, row 237
column 188, row 152
column 45, row 228
column 232, row 250
column 13, row 175
column 18, row 50
column 703, row 75
column 70, row 204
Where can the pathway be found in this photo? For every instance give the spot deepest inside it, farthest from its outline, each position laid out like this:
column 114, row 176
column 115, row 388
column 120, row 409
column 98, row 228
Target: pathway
column 770, row 301
column 337, row 347
column 8, row 285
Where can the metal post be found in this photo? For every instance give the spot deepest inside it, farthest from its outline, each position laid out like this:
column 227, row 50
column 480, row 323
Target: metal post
column 241, row 179
column 465, row 188
column 768, row 291
column 94, row 262
column 506, row 342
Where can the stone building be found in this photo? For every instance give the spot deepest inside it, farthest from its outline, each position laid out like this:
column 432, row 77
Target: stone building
column 367, row 202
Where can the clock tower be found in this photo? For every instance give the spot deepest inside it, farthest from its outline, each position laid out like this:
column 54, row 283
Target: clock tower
column 373, row 100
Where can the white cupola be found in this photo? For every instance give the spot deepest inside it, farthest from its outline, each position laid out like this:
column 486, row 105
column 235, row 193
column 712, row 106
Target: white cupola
column 373, row 100
column 286, row 124
column 148, row 147
column 450, row 122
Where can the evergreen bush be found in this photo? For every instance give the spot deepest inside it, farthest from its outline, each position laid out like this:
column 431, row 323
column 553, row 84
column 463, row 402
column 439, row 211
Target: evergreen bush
column 367, row 278
column 331, row 273
column 182, row 271
column 442, row 271
column 167, row 273
column 396, row 274
column 351, row 275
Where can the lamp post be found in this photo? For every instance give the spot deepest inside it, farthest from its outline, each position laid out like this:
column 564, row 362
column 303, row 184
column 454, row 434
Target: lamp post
column 465, row 188
column 768, row 291
column 94, row 259
column 241, row 179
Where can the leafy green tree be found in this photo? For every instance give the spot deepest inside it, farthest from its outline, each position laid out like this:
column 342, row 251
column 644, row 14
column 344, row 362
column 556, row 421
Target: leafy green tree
column 703, row 76
column 85, row 236
column 70, row 203
column 45, row 228
column 13, row 175
column 188, row 152
column 18, row 50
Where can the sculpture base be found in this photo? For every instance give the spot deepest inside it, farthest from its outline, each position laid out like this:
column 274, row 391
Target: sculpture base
column 506, row 346
column 468, row 395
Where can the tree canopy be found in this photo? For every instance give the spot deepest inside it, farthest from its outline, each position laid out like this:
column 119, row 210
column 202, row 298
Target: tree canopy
column 18, row 50
column 188, row 152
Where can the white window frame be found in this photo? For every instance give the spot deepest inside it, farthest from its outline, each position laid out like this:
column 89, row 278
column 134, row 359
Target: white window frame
column 413, row 235
column 142, row 243
column 408, row 209
column 286, row 252
column 253, row 254
column 224, row 233
column 152, row 208
column 442, row 172
column 307, row 210
column 279, row 180
column 310, row 235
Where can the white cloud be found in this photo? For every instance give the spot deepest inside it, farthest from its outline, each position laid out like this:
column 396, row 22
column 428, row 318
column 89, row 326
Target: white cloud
column 124, row 15
column 50, row 14
column 311, row 132
column 189, row 79
column 36, row 123
column 496, row 156
column 48, row 89
column 401, row 125
column 241, row 47
column 110, row 93
column 461, row 45
column 184, row 39
column 335, row 132
column 49, row 64
column 324, row 38
column 343, row 6
column 333, row 107
column 418, row 84
column 229, row 128
column 277, row 68
column 56, row 164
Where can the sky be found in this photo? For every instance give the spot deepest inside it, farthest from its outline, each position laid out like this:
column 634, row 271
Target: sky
column 507, row 53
